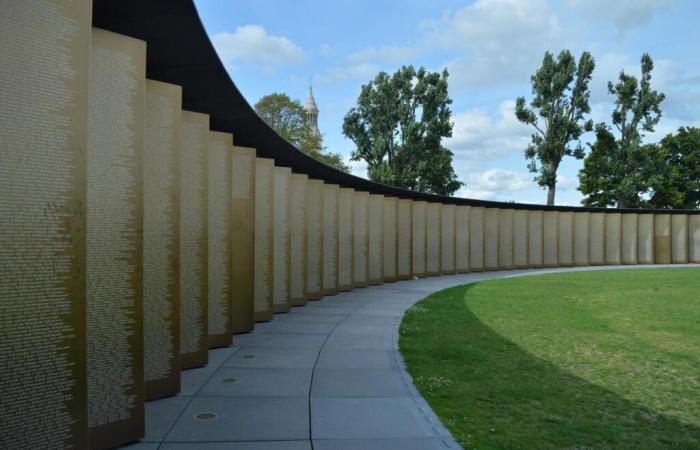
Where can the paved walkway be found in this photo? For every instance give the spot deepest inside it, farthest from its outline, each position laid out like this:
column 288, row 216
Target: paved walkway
column 327, row 376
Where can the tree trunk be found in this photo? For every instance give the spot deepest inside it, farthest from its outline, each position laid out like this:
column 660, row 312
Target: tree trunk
column 550, row 194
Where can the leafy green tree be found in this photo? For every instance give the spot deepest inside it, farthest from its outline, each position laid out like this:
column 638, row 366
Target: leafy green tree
column 397, row 127
column 286, row 117
column 675, row 180
column 618, row 171
column 558, row 112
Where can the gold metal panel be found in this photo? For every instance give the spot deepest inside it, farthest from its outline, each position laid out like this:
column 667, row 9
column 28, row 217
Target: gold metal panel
column 662, row 239
column 596, row 251
column 462, row 235
column 44, row 48
column 679, row 239
column 520, row 239
column 220, row 259
column 360, row 228
column 550, row 239
column 243, row 239
column 281, row 180
column 418, row 268
column 264, row 172
column 447, row 239
column 194, row 305
column 432, row 239
column 629, row 239
column 116, row 104
column 613, row 242
column 505, row 239
column 390, row 238
column 582, row 233
column 694, row 238
column 345, row 214
column 329, row 215
column 297, row 239
column 404, row 239
column 645, row 239
column 565, row 249
column 314, row 236
column 535, row 247
column 161, row 239
column 491, row 238
column 476, row 239
column 375, row 253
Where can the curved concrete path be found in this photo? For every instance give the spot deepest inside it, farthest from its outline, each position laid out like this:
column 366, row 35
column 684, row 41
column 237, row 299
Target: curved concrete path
column 325, row 376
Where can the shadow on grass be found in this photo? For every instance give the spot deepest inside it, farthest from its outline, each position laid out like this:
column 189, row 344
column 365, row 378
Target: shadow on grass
column 492, row 394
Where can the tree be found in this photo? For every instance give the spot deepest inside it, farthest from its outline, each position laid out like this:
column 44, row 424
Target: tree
column 557, row 112
column 618, row 171
column 675, row 182
column 398, row 126
column 286, row 117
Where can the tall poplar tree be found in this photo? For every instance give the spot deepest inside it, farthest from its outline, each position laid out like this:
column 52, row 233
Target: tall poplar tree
column 557, row 112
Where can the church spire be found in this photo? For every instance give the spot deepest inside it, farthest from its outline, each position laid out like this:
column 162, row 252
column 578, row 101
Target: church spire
column 311, row 111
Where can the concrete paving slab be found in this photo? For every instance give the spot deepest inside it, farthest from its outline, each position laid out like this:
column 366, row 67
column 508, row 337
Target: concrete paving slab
column 303, row 327
column 361, row 383
column 280, row 340
column 283, row 358
column 359, row 342
column 192, row 380
column 353, row 418
column 258, row 382
column 357, row 359
column 438, row 443
column 264, row 445
column 243, row 419
column 162, row 414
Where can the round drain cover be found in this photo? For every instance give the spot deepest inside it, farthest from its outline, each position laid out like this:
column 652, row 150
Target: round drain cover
column 205, row 416
column 228, row 380
column 248, row 356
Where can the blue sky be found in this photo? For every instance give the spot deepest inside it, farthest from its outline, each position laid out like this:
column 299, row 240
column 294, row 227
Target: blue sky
column 490, row 47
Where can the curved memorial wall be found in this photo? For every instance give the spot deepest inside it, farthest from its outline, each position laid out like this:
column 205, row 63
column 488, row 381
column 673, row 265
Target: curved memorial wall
column 147, row 214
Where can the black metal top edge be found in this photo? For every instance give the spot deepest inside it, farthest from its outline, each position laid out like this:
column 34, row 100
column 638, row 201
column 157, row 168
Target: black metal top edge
column 180, row 52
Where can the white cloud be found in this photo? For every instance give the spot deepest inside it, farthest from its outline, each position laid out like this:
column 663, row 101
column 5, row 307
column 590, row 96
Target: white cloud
column 385, row 54
column 252, row 44
column 624, row 14
column 478, row 135
column 357, row 168
column 499, row 41
column 496, row 184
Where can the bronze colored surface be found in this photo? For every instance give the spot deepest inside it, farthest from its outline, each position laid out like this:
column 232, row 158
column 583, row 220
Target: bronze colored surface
column 329, row 240
column 194, row 258
column 117, row 89
column 161, row 241
column 281, row 183
column 297, row 240
column 264, row 169
column 314, row 245
column 44, row 50
column 243, row 239
column 219, row 231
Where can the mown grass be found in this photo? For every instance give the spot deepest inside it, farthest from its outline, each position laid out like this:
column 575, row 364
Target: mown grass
column 587, row 360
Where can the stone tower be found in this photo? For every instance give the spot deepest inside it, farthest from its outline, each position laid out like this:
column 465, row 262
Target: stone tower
column 311, row 111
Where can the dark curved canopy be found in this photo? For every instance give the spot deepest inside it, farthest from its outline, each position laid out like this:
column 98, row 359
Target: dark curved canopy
column 180, row 52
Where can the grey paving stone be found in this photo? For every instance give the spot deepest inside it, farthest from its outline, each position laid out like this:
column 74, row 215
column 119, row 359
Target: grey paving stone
column 363, row 329
column 361, row 383
column 141, row 446
column 359, row 342
column 191, row 380
column 359, row 418
column 258, row 382
column 243, row 419
column 270, row 340
column 161, row 416
column 264, row 445
column 356, row 359
column 302, row 327
column 370, row 319
column 290, row 358
column 325, row 318
column 217, row 356
column 387, row 444
column 325, row 310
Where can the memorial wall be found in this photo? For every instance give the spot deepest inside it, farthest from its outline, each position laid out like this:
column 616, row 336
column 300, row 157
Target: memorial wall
column 219, row 268
column 264, row 174
column 44, row 50
column 243, row 239
column 161, row 239
column 282, row 177
column 116, row 104
column 194, row 304
column 136, row 236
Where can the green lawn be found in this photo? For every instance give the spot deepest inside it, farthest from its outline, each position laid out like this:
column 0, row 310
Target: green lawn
column 587, row 360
